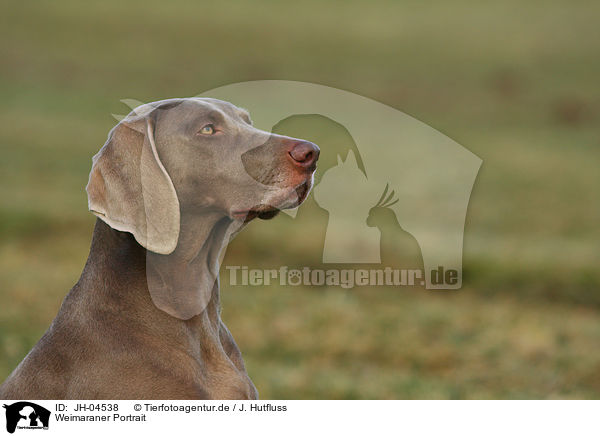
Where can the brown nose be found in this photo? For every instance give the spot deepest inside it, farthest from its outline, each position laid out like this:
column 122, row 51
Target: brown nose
column 304, row 154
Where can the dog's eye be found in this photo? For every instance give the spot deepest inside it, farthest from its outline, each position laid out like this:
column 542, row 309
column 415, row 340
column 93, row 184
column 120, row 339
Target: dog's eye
column 209, row 129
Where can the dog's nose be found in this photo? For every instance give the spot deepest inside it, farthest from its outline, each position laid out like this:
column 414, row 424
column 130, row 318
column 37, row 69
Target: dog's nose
column 304, row 154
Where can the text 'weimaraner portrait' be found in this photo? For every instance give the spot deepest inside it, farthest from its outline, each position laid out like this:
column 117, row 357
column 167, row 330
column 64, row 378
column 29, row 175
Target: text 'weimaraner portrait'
column 175, row 181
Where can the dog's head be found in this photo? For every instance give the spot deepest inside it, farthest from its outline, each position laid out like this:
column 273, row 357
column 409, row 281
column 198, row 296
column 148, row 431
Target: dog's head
column 183, row 176
column 194, row 156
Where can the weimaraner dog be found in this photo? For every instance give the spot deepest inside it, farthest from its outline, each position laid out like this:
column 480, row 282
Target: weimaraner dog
column 174, row 182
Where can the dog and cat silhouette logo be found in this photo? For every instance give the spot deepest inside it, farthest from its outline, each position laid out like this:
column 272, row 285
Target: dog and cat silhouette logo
column 26, row 416
column 389, row 190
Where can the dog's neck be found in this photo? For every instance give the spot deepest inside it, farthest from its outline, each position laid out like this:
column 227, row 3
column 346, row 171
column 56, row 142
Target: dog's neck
column 182, row 282
column 122, row 277
column 114, row 288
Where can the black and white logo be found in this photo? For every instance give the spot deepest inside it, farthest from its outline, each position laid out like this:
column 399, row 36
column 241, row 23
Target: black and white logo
column 26, row 416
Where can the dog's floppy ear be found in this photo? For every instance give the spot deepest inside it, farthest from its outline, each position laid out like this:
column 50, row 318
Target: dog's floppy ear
column 129, row 188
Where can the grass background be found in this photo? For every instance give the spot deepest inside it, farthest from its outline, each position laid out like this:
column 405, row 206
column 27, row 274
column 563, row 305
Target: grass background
column 515, row 82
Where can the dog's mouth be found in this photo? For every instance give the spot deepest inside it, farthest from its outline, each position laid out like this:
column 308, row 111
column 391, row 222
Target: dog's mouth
column 266, row 212
column 302, row 192
column 258, row 212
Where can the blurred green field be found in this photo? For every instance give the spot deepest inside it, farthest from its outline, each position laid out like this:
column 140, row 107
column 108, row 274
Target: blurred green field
column 516, row 83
